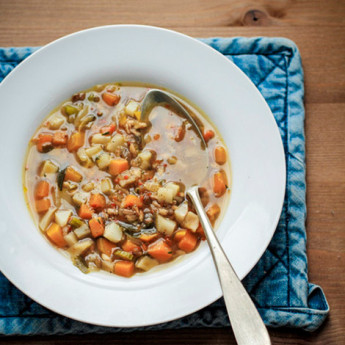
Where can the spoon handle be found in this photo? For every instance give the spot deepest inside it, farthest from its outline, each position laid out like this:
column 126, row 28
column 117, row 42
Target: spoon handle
column 245, row 320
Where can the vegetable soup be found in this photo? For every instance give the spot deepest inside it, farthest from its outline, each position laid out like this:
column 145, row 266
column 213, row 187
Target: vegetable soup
column 107, row 188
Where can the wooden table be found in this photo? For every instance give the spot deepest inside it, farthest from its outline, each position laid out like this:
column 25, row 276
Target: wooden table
column 318, row 28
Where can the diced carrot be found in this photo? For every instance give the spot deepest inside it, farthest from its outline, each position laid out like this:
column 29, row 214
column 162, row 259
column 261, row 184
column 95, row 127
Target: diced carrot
column 111, row 98
column 200, row 232
column 59, row 138
column 75, row 141
column 97, row 201
column 55, row 234
column 188, row 242
column 117, row 166
column 72, row 175
column 42, row 205
column 160, row 251
column 148, row 237
column 213, row 213
column 208, row 135
column 85, row 212
column 108, row 130
column 132, row 200
column 42, row 189
column 124, row 268
column 219, row 184
column 44, row 142
column 96, row 226
column 220, row 155
column 105, row 246
column 131, row 247
column 179, row 235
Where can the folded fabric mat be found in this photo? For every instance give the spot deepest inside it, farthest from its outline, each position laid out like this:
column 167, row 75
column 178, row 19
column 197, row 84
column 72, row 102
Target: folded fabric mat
column 278, row 284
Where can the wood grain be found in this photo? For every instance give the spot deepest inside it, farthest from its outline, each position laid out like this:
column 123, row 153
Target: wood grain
column 318, row 28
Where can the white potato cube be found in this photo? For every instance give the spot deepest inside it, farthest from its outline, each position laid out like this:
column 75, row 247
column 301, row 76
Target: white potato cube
column 145, row 263
column 145, row 157
column 191, row 221
column 174, row 187
column 61, row 217
column 80, row 198
column 152, row 186
column 82, row 232
column 181, row 212
column 165, row 225
column 116, row 141
column 48, row 167
column 71, row 238
column 56, row 121
column 113, row 232
column 100, row 139
column 106, row 186
column 165, row 195
column 131, row 107
column 47, row 218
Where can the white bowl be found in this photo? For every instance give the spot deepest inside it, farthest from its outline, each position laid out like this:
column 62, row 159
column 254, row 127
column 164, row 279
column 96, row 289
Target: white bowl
column 202, row 75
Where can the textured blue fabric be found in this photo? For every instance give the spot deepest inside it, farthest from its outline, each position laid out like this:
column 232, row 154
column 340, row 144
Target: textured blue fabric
column 278, row 283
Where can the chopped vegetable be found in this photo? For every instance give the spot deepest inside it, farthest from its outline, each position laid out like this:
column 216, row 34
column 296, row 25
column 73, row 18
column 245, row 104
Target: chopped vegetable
column 59, row 138
column 160, row 250
column 79, row 262
column 165, row 225
column 130, row 247
column 72, row 175
column 100, row 139
column 42, row 205
column 48, row 167
column 81, row 246
column 191, row 221
column 117, row 166
column 132, row 200
column 220, row 155
column 96, row 226
column 80, row 198
column 70, row 110
column 145, row 159
column 47, row 218
column 42, row 189
column 75, row 141
column 131, row 108
column 116, row 141
column 121, row 254
column 44, row 142
column 61, row 178
column 93, row 151
column 208, row 135
column 213, row 213
column 106, row 186
column 55, row 234
column 103, row 160
column 113, row 232
column 76, row 222
column 219, row 184
column 111, row 98
column 165, row 195
column 85, row 212
column 56, row 121
column 181, row 212
column 124, row 268
column 188, row 242
column 179, row 235
column 97, row 201
column 146, row 263
column 71, row 239
column 145, row 237
column 105, row 246
column 82, row 231
column 62, row 216
column 108, row 130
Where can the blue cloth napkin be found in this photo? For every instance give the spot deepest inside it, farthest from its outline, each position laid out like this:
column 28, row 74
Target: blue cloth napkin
column 279, row 283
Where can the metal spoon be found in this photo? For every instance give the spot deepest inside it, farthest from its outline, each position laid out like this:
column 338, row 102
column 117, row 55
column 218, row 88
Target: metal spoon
column 245, row 320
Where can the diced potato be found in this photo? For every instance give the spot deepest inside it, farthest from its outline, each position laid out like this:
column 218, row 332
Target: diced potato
column 103, row 160
column 174, row 187
column 126, row 182
column 191, row 221
column 48, row 167
column 80, row 198
column 145, row 158
column 61, row 217
column 165, row 195
column 71, row 238
column 146, row 263
column 82, row 232
column 107, row 266
column 131, row 108
column 152, row 186
column 165, row 225
column 136, row 172
column 93, row 150
column 100, row 139
column 81, row 246
column 56, row 121
column 88, row 187
column 116, row 141
column 106, row 186
column 113, row 232
column 84, row 158
column 181, row 212
column 47, row 218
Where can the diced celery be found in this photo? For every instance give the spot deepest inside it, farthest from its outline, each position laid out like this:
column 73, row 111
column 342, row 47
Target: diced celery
column 70, row 110
column 124, row 255
column 76, row 222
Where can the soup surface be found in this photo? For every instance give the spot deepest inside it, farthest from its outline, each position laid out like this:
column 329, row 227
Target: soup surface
column 109, row 189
